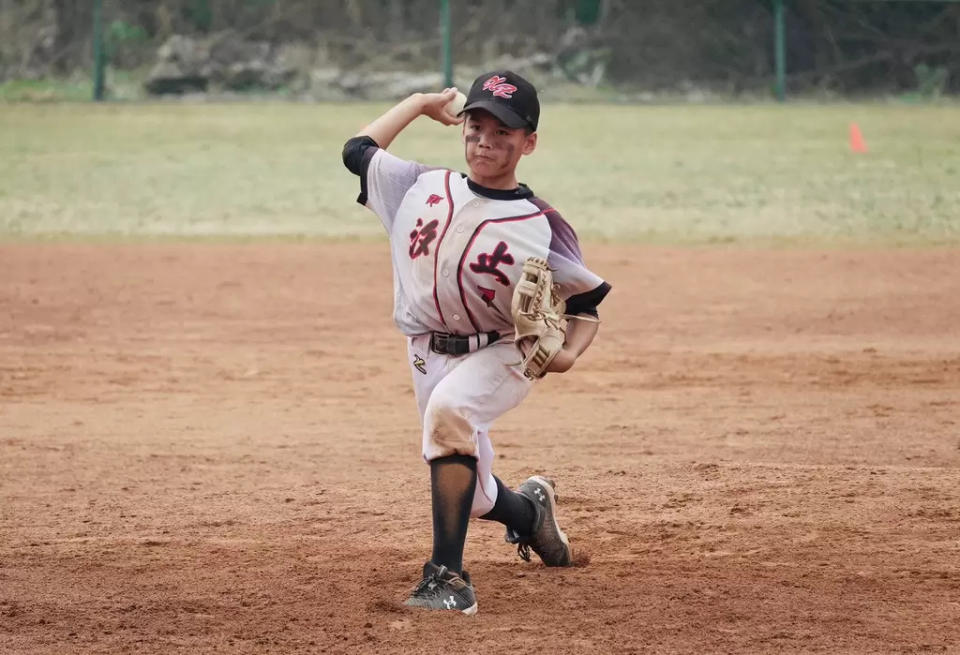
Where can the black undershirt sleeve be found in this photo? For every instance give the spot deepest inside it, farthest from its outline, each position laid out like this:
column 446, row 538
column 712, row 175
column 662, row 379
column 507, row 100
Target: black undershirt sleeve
column 586, row 303
column 357, row 153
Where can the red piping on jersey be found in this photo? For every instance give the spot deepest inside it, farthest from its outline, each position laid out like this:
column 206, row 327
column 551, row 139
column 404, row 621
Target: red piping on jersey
column 476, row 233
column 436, row 250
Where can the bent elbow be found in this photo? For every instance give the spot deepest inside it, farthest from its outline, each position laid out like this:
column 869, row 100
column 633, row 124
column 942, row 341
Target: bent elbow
column 354, row 153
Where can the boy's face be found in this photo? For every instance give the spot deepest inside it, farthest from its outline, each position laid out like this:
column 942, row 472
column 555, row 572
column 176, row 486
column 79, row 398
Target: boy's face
column 491, row 148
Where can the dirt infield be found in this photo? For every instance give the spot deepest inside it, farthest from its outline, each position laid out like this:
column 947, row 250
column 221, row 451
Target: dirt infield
column 214, row 447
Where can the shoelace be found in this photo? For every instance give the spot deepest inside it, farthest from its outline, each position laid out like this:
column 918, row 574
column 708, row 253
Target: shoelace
column 523, row 550
column 430, row 583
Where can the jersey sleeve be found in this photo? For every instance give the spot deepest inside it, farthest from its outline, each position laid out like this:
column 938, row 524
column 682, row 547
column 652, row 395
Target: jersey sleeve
column 583, row 289
column 384, row 178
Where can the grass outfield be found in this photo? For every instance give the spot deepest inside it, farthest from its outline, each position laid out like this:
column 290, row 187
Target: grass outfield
column 666, row 174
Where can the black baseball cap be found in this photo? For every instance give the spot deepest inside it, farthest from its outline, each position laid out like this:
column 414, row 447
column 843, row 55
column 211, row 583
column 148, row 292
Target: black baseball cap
column 506, row 95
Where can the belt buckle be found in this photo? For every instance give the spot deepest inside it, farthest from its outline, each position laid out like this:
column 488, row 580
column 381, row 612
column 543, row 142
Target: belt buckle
column 449, row 344
column 438, row 342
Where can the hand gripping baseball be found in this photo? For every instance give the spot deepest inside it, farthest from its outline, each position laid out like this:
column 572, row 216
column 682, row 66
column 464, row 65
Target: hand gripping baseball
column 538, row 316
column 439, row 107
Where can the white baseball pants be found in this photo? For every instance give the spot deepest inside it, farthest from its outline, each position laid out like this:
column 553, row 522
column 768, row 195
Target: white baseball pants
column 459, row 398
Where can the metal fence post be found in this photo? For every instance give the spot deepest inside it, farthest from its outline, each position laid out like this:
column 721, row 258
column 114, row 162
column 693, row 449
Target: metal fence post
column 99, row 59
column 780, row 50
column 445, row 30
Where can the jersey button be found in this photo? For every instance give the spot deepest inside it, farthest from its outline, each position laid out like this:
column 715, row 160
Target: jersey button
column 459, row 228
column 456, row 317
column 445, row 272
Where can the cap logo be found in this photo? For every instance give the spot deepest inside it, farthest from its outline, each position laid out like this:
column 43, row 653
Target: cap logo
column 497, row 86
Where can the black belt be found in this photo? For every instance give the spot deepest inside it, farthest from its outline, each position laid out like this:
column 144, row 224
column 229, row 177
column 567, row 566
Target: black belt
column 453, row 344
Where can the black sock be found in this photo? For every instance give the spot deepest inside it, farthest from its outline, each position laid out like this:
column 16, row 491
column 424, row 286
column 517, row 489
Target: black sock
column 453, row 480
column 514, row 510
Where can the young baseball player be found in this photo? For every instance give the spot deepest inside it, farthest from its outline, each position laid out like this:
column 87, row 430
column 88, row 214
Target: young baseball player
column 459, row 247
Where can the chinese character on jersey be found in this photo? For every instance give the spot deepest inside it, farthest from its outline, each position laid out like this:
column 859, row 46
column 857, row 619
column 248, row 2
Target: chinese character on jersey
column 489, row 263
column 422, row 237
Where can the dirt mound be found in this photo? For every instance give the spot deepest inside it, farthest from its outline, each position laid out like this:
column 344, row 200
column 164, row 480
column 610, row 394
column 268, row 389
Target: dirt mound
column 210, row 448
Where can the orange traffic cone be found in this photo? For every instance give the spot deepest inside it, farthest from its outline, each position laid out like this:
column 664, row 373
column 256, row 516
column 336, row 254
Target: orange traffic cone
column 857, row 144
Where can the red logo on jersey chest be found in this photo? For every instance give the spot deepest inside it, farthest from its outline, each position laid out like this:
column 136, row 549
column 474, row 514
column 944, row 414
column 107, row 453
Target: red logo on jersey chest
column 489, row 263
column 498, row 86
column 434, row 199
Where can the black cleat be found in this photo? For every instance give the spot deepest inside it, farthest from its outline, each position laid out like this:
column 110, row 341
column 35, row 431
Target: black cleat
column 442, row 589
column 547, row 539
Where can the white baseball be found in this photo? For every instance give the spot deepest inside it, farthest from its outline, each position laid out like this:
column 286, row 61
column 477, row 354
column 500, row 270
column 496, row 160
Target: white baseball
column 454, row 106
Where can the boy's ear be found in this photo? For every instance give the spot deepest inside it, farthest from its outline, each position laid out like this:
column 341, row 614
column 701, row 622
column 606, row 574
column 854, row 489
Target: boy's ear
column 529, row 143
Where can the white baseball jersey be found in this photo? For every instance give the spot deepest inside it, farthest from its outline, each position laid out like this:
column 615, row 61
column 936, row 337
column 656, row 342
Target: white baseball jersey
column 459, row 248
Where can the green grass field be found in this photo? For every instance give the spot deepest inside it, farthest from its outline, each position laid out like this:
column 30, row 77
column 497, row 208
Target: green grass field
column 666, row 174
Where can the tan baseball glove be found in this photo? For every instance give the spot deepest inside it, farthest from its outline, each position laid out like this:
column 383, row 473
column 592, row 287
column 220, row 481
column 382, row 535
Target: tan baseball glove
column 538, row 316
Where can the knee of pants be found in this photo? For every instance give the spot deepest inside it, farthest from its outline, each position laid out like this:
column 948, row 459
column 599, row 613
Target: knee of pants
column 447, row 431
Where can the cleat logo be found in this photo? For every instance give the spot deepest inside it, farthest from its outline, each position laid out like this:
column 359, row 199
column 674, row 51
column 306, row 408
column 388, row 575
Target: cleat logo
column 538, row 492
column 450, row 603
column 419, row 364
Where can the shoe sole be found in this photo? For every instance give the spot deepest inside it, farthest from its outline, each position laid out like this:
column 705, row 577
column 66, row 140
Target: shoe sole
column 470, row 611
column 551, row 494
